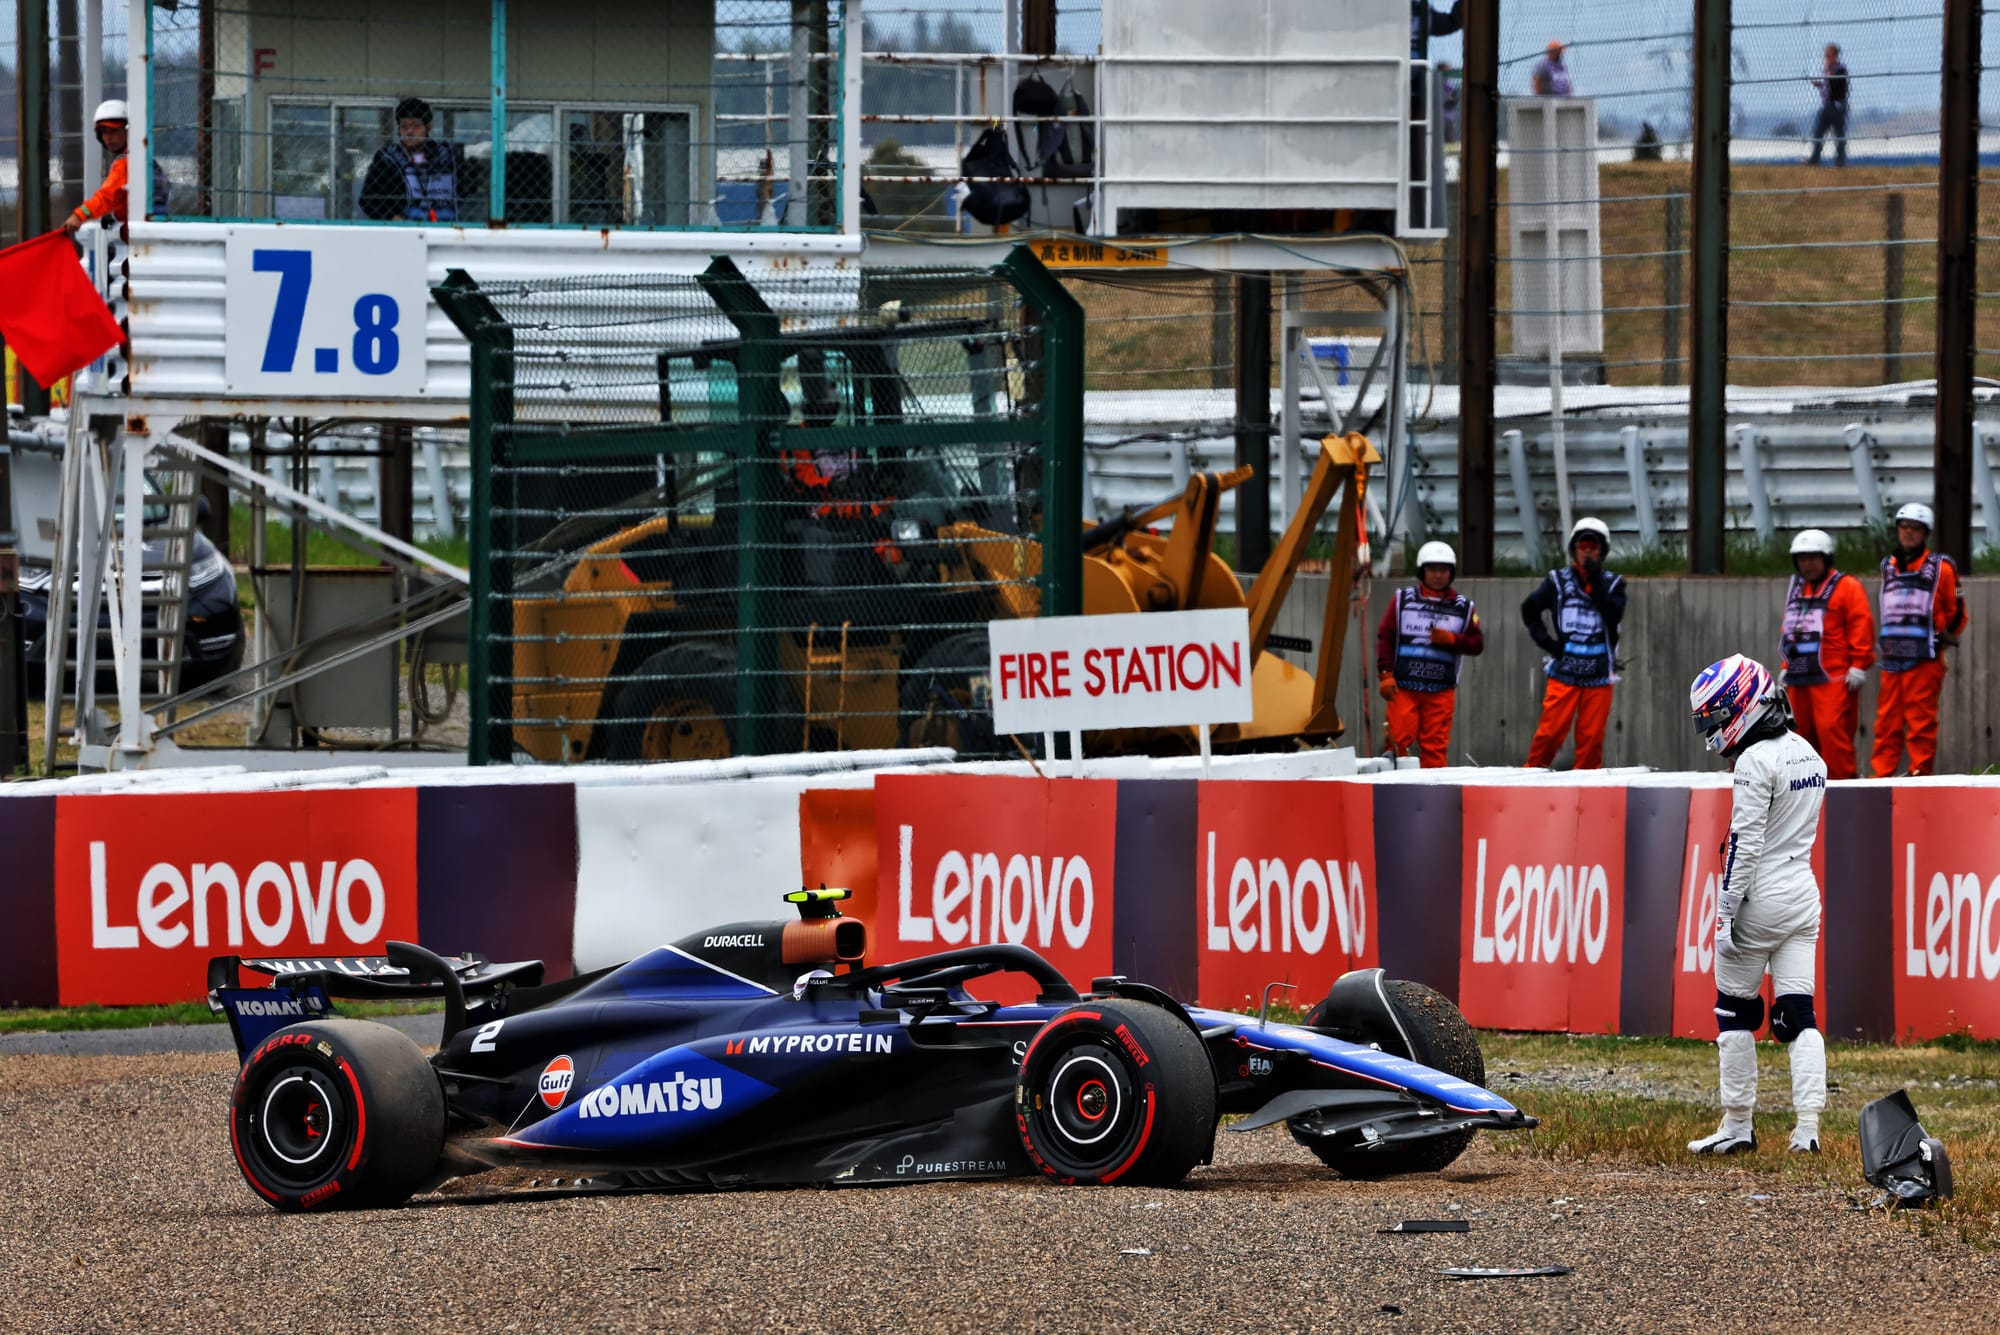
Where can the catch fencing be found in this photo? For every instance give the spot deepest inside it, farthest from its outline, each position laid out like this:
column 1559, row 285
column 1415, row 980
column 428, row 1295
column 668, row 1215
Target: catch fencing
column 720, row 515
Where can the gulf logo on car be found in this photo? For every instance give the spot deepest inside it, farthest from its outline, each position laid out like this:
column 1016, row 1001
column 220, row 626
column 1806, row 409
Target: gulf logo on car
column 556, row 1079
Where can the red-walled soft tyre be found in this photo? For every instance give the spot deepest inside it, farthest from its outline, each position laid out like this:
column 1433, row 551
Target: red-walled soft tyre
column 337, row 1114
column 1116, row 1092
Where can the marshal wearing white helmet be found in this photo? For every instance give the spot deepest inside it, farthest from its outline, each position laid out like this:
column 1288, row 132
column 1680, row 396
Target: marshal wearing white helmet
column 1586, row 602
column 112, row 127
column 1767, row 910
column 1828, row 643
column 1922, row 616
column 1423, row 637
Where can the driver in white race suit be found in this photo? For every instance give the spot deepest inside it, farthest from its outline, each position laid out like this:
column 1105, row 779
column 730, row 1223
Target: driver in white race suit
column 1767, row 911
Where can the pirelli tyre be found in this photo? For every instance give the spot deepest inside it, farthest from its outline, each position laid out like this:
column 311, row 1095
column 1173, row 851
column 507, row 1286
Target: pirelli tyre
column 1116, row 1092
column 1440, row 1039
column 337, row 1114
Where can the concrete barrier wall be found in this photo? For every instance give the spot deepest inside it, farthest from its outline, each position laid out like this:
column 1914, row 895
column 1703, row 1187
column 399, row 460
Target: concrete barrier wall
column 1675, row 627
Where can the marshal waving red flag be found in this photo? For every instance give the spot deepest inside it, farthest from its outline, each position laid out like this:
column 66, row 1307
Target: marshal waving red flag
column 50, row 315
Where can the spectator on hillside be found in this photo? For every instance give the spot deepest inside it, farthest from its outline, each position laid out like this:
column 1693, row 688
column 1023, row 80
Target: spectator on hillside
column 1832, row 116
column 1550, row 77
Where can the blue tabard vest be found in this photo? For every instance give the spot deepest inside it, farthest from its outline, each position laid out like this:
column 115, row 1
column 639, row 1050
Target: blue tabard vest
column 1909, row 634
column 431, row 186
column 1804, row 629
column 1585, row 659
column 1420, row 665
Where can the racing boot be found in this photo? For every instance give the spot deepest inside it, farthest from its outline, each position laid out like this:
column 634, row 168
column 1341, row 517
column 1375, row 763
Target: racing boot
column 1808, row 1089
column 1736, row 1053
column 1805, row 1138
column 1732, row 1137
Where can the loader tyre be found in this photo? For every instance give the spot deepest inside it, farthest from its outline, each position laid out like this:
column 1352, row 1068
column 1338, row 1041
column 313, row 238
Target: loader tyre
column 1440, row 1039
column 946, row 697
column 682, row 706
column 337, row 1115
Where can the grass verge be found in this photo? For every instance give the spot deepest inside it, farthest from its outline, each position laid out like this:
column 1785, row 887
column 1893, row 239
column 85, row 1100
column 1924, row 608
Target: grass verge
column 72, row 1019
column 1955, row 1086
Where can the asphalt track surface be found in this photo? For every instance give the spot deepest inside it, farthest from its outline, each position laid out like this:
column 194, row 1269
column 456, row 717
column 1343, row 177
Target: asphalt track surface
column 121, row 1209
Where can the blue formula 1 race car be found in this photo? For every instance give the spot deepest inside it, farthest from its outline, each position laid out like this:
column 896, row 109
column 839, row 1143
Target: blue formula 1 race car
column 767, row 1054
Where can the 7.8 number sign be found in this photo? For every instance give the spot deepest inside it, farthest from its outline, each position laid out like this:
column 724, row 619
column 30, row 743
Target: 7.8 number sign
column 325, row 312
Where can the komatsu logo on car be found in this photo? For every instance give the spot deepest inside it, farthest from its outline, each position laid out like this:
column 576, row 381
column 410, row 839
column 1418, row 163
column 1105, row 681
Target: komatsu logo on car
column 682, row 1094
column 294, row 1007
column 736, row 939
column 781, row 1044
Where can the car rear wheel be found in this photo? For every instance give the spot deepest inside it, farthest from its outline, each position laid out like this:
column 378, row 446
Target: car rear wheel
column 1116, row 1092
column 337, row 1114
column 1440, row 1039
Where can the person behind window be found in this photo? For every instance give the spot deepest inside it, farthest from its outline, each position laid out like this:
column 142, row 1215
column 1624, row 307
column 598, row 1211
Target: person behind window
column 414, row 177
column 112, row 126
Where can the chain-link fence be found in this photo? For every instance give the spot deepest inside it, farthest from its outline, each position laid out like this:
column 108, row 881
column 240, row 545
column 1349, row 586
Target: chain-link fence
column 620, row 115
column 716, row 515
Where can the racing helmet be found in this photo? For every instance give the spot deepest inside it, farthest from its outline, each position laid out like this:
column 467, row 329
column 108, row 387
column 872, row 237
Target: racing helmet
column 1916, row 512
column 1813, row 542
column 1730, row 698
column 1437, row 554
column 1590, row 526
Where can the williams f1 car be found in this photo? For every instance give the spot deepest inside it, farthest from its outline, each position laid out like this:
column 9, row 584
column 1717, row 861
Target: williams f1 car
column 768, row 1053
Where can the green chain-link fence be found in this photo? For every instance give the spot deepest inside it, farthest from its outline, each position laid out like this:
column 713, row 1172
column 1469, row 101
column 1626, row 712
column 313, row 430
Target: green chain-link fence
column 718, row 514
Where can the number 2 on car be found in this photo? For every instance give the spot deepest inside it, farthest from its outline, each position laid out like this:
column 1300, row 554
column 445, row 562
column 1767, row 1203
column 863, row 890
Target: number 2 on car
column 321, row 313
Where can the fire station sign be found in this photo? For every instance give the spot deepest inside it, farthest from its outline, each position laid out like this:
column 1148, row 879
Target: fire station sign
column 1152, row 670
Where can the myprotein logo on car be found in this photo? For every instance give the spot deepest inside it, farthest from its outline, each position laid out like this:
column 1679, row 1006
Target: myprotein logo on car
column 783, row 1045
column 1543, row 907
column 147, row 888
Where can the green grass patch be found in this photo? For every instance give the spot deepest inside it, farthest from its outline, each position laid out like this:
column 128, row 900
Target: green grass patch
column 1954, row 1083
column 323, row 549
column 72, row 1019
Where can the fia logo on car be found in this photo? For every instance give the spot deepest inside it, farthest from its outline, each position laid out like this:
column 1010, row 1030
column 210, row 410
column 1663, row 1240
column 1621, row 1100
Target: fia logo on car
column 556, row 1079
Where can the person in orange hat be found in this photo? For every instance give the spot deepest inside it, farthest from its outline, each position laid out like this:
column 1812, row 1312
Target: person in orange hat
column 1550, row 77
column 1828, row 644
column 1922, row 616
column 112, row 125
column 1424, row 637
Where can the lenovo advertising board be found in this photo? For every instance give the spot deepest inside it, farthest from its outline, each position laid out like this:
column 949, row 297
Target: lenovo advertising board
column 1946, row 896
column 1287, row 889
column 1701, row 883
column 148, row 887
column 1544, row 908
column 968, row 860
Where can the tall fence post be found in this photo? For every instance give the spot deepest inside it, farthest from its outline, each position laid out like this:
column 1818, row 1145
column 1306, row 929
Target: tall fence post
column 1670, row 300
column 1892, row 288
column 1958, row 274
column 1253, row 419
column 1708, row 441
column 31, row 141
column 1478, row 197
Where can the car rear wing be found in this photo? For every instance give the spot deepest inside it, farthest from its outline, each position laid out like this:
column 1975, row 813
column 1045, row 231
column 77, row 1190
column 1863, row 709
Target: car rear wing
column 406, row 972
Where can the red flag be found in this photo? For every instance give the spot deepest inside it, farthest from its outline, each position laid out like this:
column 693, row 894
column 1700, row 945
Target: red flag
column 50, row 315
